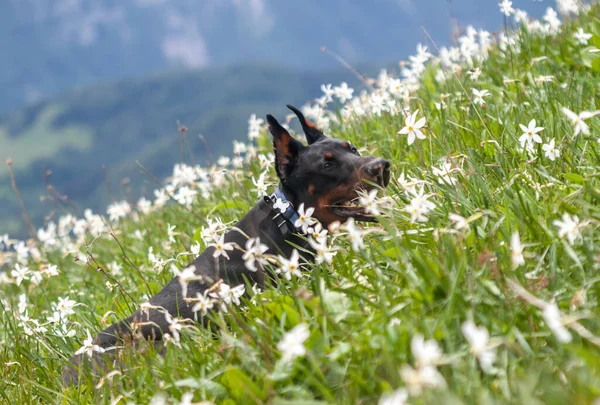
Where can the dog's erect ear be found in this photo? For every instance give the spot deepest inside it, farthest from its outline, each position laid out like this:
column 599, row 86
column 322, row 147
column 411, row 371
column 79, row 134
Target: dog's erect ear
column 313, row 134
column 285, row 147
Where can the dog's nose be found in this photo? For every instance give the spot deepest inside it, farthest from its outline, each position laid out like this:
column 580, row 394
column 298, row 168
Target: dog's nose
column 379, row 169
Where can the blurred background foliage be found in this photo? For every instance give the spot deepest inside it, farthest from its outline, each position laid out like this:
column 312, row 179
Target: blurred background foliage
column 90, row 87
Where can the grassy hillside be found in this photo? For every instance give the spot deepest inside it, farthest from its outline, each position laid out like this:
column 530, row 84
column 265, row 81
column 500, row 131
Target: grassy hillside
column 478, row 285
column 114, row 125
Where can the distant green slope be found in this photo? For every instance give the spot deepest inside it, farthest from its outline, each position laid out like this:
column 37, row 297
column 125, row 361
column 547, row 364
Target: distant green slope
column 117, row 124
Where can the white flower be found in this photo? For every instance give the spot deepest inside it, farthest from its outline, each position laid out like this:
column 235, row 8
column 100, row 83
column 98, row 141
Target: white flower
column 407, row 185
column 530, row 133
column 552, row 20
column 419, row 206
column 36, row 277
column 474, row 73
column 343, row 92
column 582, row 37
column 412, row 128
column 479, row 96
column 118, row 210
column 203, row 303
column 521, row 17
column 443, row 173
column 254, row 125
column 578, row 120
column 305, row 218
column 161, row 197
column 174, row 326
column 20, row 273
column 157, row 262
column 170, row 229
column 47, row 236
column 115, row 268
column 22, row 307
column 327, row 93
column 89, row 347
column 291, row 344
column 398, row 397
column 65, row 306
column 567, row 7
column 553, row 319
column 459, row 222
column 254, row 253
column 82, row 257
column 183, row 174
column 185, row 196
column 322, row 252
column 221, row 247
column 289, row 267
column 260, row 186
column 195, row 248
column 516, row 251
column 569, row 227
column 237, row 162
column 227, row 295
column 422, row 377
column 354, row 235
column 550, row 151
column 369, row 202
column 224, row 161
column 318, row 232
column 212, row 230
column 239, row 147
column 426, row 352
column 4, row 240
column 144, row 206
column 158, row 399
column 479, row 340
column 186, row 399
column 184, row 276
column 506, row 7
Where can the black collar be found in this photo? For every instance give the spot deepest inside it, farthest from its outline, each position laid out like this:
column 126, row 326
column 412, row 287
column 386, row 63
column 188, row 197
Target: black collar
column 285, row 213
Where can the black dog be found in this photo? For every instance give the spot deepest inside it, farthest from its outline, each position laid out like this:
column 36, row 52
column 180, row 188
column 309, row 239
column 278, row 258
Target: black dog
column 325, row 175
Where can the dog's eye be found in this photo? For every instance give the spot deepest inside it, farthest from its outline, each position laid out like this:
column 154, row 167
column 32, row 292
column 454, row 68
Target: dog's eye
column 354, row 150
column 328, row 165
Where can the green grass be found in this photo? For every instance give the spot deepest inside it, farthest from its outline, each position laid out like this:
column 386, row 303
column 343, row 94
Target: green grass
column 411, row 278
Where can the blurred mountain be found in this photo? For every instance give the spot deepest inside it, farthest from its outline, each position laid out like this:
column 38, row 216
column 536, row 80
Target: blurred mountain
column 49, row 46
column 97, row 133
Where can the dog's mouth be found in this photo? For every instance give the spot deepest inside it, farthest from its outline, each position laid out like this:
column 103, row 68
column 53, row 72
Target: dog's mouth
column 351, row 208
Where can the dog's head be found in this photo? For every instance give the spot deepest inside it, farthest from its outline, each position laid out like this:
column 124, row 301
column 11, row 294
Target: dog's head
column 326, row 174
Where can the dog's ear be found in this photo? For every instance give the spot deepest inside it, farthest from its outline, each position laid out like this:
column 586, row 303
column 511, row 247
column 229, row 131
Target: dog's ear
column 313, row 134
column 285, row 147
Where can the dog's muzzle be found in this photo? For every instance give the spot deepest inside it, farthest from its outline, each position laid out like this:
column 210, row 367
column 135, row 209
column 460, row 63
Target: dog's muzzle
column 379, row 170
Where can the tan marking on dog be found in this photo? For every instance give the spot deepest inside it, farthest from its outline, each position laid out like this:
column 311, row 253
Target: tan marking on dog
column 309, row 124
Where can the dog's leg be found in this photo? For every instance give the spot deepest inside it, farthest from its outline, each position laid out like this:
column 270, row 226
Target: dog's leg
column 150, row 324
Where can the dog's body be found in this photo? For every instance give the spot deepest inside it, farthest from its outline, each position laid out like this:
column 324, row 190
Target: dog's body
column 325, row 174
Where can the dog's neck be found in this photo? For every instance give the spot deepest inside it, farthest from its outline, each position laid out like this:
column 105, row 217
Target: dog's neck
column 272, row 220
